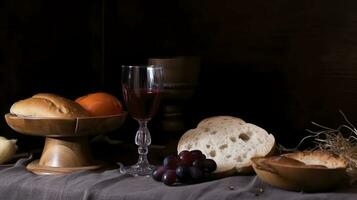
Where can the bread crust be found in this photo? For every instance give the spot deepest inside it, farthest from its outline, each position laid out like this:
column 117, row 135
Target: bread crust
column 219, row 120
column 318, row 157
column 48, row 105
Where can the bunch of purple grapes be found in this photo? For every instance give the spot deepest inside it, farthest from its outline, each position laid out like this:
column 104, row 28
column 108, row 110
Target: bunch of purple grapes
column 187, row 167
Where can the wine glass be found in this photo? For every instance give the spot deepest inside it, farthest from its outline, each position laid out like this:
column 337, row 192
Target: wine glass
column 141, row 90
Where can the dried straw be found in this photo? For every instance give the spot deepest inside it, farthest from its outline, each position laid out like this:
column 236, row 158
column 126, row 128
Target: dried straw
column 341, row 141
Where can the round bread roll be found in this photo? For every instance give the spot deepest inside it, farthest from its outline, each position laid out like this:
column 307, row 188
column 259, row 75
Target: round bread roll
column 48, row 105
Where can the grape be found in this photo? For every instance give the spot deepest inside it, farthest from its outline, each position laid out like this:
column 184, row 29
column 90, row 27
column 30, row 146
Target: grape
column 188, row 166
column 157, row 173
column 186, row 158
column 182, row 152
column 170, row 162
column 203, row 157
column 207, row 175
column 197, row 155
column 209, row 165
column 199, row 164
column 196, row 174
column 183, row 173
column 169, row 177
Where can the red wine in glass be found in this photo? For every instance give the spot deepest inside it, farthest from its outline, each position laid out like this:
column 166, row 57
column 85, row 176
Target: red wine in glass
column 142, row 104
column 141, row 90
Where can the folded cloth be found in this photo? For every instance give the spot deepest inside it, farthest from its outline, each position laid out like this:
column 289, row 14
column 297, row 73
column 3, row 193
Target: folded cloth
column 24, row 161
column 16, row 183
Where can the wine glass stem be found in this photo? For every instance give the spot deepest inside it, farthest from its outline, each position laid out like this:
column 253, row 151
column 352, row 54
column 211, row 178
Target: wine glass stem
column 143, row 140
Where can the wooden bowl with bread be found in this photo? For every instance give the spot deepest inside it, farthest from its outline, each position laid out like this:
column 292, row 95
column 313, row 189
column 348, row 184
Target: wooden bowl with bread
column 66, row 126
column 308, row 171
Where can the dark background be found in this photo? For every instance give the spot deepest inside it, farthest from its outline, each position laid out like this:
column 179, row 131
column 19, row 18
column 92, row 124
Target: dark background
column 278, row 64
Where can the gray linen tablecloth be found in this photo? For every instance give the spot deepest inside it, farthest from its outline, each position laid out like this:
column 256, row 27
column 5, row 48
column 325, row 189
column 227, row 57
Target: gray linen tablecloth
column 17, row 183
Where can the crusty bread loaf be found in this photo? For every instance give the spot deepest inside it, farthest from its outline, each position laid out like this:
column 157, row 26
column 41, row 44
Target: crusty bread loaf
column 48, row 105
column 229, row 141
column 318, row 158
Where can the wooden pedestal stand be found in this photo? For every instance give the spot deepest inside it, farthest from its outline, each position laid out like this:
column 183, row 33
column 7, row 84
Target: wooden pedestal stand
column 66, row 147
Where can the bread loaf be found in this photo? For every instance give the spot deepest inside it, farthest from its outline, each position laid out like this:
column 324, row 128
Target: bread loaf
column 229, row 141
column 318, row 158
column 48, row 105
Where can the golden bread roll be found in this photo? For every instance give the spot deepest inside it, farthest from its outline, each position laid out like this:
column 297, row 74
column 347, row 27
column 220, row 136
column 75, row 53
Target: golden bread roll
column 48, row 105
column 318, row 158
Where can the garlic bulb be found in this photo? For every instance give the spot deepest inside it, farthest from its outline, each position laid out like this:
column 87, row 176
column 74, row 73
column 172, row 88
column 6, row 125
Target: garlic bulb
column 7, row 149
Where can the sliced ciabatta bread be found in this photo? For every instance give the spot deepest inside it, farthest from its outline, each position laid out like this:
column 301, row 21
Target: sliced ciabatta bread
column 231, row 142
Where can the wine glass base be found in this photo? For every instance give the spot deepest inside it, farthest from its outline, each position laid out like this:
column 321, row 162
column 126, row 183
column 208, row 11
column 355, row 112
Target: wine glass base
column 138, row 169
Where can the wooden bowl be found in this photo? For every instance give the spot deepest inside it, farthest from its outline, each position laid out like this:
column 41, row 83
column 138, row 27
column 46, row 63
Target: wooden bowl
column 64, row 127
column 66, row 146
column 291, row 174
